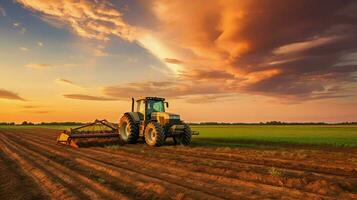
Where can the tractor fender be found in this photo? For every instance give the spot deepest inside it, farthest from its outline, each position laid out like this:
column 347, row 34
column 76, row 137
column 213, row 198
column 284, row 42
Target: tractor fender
column 135, row 116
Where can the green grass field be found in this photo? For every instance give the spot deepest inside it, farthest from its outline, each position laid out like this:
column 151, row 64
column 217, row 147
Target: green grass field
column 248, row 135
column 240, row 135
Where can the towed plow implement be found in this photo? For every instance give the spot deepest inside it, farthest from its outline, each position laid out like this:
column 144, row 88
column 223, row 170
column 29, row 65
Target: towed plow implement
column 99, row 129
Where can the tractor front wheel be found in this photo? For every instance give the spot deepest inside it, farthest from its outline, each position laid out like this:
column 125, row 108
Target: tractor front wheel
column 154, row 134
column 129, row 130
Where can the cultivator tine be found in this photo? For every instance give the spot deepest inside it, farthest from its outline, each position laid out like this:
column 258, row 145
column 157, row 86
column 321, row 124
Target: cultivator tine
column 91, row 133
column 65, row 139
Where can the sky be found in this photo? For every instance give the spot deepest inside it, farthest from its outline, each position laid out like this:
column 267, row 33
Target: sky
column 213, row 60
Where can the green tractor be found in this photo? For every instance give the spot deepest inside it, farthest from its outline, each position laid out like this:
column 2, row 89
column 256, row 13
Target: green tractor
column 151, row 123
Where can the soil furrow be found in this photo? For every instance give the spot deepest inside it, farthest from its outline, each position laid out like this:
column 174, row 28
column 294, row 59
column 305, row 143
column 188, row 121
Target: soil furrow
column 72, row 178
column 272, row 163
column 44, row 179
column 128, row 170
column 293, row 166
column 279, row 182
column 140, row 172
column 290, row 179
column 178, row 179
column 20, row 185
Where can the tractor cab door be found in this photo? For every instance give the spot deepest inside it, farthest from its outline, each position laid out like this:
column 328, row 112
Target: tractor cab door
column 141, row 109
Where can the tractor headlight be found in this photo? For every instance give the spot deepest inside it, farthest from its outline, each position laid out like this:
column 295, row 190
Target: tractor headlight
column 174, row 117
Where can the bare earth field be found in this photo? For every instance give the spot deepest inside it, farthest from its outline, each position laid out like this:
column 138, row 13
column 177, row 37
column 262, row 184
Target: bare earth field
column 32, row 166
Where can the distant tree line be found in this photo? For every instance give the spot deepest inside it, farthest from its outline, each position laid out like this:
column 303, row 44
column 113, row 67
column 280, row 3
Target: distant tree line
column 274, row 123
column 28, row 123
column 7, row 123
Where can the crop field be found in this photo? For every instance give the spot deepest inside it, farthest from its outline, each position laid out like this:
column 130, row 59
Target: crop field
column 224, row 162
column 238, row 135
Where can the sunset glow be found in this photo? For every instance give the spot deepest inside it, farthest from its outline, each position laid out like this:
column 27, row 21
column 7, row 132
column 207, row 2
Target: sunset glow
column 222, row 60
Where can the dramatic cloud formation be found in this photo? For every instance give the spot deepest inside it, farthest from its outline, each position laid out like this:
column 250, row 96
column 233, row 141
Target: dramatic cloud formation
column 298, row 49
column 5, row 94
column 88, row 97
column 275, row 47
column 88, row 18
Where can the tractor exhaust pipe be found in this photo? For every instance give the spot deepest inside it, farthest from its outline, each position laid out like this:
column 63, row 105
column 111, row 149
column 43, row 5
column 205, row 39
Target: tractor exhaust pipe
column 132, row 104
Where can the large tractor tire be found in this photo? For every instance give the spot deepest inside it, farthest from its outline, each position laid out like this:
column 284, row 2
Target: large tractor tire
column 154, row 134
column 185, row 138
column 129, row 130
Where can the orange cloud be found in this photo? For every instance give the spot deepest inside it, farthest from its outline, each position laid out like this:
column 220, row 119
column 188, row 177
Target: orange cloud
column 173, row 61
column 38, row 65
column 5, row 94
column 62, row 80
column 208, row 75
column 301, row 46
column 242, row 46
column 37, row 111
column 31, row 106
column 165, row 89
column 88, row 97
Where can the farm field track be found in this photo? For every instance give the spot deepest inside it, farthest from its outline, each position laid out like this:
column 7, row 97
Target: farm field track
column 32, row 166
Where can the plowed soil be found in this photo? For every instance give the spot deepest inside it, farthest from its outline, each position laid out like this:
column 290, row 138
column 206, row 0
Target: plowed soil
column 32, row 166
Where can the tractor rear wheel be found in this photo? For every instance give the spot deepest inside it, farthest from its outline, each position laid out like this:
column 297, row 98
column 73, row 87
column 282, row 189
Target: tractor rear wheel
column 154, row 134
column 129, row 130
column 185, row 137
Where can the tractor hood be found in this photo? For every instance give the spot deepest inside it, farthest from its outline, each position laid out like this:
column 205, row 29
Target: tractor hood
column 165, row 118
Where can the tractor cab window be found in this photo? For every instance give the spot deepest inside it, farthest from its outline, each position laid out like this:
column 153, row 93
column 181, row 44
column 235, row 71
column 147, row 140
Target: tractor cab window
column 155, row 106
column 141, row 107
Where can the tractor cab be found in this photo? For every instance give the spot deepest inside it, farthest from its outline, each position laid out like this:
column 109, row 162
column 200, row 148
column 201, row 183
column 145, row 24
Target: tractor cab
column 148, row 105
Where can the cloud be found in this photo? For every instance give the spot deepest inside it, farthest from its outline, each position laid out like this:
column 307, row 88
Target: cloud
column 19, row 26
column 23, row 49
column 5, row 94
column 40, row 44
column 284, row 49
column 208, row 75
column 31, row 106
column 258, row 49
column 53, row 21
column 38, row 65
column 164, row 88
column 88, row 97
column 2, row 11
column 207, row 98
column 88, row 18
column 67, row 82
column 301, row 46
column 37, row 111
column 173, row 61
column 62, row 80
